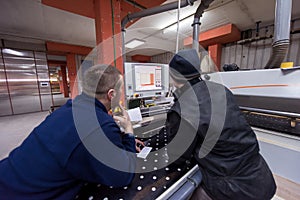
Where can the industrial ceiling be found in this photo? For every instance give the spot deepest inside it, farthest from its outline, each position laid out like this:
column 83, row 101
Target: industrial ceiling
column 33, row 21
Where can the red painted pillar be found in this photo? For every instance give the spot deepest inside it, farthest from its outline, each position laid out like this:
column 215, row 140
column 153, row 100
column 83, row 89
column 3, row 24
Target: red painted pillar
column 215, row 52
column 108, row 32
column 63, row 75
column 72, row 73
column 61, row 86
column 141, row 58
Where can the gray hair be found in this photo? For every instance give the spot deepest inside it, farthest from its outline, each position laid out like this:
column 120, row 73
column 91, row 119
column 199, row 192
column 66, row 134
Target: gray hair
column 99, row 79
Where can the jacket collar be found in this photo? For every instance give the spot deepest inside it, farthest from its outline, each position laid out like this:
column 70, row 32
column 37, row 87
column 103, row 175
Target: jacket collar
column 179, row 91
column 93, row 100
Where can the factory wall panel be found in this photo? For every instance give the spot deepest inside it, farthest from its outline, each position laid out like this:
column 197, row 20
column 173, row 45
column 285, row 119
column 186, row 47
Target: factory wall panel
column 238, row 55
column 162, row 58
column 255, row 55
column 227, row 54
column 267, row 52
column 5, row 106
column 294, row 49
column 248, row 56
column 43, row 79
column 260, row 47
column 245, row 56
column 232, row 54
column 34, row 45
column 24, row 82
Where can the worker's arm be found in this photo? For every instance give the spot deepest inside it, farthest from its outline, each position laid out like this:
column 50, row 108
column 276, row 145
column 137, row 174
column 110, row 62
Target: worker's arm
column 83, row 165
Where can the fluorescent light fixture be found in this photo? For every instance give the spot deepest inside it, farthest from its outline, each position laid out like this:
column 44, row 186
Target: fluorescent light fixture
column 13, row 52
column 134, row 43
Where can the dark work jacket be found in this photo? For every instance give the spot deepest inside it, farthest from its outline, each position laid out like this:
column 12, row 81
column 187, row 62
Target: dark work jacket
column 53, row 162
column 223, row 144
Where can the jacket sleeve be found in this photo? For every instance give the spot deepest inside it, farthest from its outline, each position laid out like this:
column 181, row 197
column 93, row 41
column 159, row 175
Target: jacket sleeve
column 173, row 124
column 171, row 127
column 87, row 167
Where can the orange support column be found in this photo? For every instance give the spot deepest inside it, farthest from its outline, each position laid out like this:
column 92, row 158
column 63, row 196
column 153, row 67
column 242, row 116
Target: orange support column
column 141, row 58
column 108, row 32
column 61, row 87
column 72, row 72
column 215, row 52
column 221, row 35
column 63, row 75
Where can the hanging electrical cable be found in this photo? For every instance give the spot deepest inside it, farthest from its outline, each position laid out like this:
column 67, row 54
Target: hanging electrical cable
column 178, row 20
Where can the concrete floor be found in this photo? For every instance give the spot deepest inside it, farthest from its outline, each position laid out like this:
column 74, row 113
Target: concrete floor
column 15, row 128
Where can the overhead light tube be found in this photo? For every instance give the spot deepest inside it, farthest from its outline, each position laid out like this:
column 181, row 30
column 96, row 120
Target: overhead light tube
column 134, row 43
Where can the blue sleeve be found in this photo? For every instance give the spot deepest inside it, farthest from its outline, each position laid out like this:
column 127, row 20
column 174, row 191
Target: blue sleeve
column 84, row 166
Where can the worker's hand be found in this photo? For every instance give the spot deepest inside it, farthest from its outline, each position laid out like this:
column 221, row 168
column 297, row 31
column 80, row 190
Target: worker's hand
column 138, row 145
column 124, row 121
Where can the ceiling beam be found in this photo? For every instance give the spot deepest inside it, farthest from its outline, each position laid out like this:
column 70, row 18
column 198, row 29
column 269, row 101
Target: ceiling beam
column 55, row 63
column 221, row 35
column 86, row 7
column 80, row 7
column 67, row 48
column 150, row 4
column 141, row 58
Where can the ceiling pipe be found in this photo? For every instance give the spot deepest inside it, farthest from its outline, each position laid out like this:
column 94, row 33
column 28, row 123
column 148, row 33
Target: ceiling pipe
column 281, row 33
column 196, row 24
column 154, row 10
column 135, row 4
column 148, row 12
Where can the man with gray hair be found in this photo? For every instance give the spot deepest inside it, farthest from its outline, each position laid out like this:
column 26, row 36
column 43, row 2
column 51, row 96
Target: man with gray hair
column 69, row 147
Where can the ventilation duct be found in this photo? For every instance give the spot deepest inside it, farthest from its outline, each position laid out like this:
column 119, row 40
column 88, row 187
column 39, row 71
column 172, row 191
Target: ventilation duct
column 155, row 10
column 281, row 33
column 196, row 24
column 149, row 12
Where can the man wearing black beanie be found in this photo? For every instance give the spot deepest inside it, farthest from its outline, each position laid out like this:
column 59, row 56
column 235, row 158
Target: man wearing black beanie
column 224, row 145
